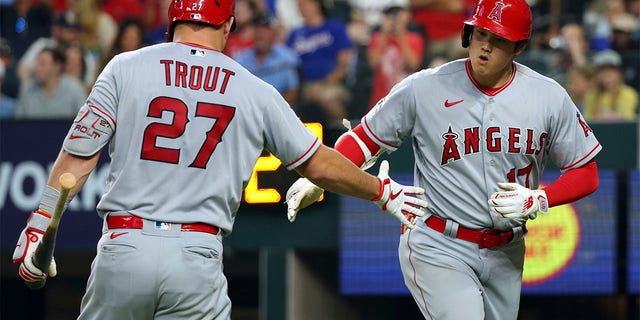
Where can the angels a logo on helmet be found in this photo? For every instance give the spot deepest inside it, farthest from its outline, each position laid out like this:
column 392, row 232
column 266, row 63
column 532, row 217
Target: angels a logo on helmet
column 496, row 12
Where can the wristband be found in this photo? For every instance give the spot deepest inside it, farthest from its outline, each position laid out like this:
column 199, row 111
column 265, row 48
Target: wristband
column 50, row 198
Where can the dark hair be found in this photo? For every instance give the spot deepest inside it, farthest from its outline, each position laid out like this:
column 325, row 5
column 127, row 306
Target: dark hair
column 57, row 55
column 123, row 26
column 323, row 8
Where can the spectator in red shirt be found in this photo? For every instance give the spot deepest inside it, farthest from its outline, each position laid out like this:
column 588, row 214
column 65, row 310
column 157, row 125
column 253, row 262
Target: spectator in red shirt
column 394, row 51
column 441, row 20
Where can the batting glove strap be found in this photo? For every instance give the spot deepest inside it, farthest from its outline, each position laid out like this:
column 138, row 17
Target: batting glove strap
column 397, row 200
column 31, row 235
column 543, row 201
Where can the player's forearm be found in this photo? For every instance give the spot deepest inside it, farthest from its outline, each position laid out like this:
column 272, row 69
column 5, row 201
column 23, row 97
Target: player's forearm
column 573, row 185
column 80, row 167
column 331, row 171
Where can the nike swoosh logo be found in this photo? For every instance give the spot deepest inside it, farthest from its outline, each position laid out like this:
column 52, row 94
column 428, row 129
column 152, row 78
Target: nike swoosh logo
column 394, row 196
column 117, row 234
column 78, row 137
column 448, row 104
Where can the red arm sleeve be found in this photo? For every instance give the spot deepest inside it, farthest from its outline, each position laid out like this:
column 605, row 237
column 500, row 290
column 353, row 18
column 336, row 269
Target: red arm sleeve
column 573, row 185
column 349, row 147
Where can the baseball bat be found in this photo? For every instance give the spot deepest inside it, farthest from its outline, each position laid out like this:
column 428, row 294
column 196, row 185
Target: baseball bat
column 44, row 252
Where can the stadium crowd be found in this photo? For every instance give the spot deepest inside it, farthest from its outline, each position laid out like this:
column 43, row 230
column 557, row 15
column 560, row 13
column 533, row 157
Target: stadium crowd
column 331, row 60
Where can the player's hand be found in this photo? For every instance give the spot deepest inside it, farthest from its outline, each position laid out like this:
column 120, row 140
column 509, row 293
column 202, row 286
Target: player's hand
column 517, row 201
column 30, row 238
column 398, row 200
column 300, row 195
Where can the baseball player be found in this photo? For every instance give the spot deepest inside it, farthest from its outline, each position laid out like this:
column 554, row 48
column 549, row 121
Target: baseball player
column 185, row 125
column 482, row 130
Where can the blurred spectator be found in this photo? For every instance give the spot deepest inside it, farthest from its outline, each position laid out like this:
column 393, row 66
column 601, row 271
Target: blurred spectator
column 11, row 82
column 51, row 94
column 156, row 24
column 372, row 11
column 130, row 37
column 64, row 32
column 394, row 52
column 579, row 81
column 610, row 99
column 270, row 61
column 325, row 51
column 24, row 21
column 287, row 12
column 550, row 15
column 633, row 7
column 242, row 38
column 575, row 45
column 441, row 21
column 74, row 66
column 7, row 104
column 119, row 10
column 623, row 26
column 97, row 28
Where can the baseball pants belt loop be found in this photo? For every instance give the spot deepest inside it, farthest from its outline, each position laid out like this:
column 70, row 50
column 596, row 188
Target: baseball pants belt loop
column 484, row 239
column 451, row 228
column 133, row 222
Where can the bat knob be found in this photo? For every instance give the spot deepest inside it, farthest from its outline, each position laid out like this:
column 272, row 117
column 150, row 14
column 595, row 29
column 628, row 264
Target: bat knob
column 35, row 285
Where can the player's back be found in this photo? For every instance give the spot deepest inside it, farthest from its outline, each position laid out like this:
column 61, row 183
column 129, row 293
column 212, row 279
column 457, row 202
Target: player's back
column 189, row 127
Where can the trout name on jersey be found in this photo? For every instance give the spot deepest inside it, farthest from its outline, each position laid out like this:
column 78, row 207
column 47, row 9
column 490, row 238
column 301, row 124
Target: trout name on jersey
column 518, row 141
column 196, row 77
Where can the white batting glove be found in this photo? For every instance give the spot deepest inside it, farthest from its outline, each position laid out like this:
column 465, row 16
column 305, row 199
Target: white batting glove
column 301, row 195
column 398, row 200
column 30, row 238
column 518, row 202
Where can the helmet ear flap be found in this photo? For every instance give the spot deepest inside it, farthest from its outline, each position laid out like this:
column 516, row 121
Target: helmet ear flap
column 466, row 35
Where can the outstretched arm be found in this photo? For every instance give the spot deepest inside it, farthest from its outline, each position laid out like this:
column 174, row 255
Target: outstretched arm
column 330, row 170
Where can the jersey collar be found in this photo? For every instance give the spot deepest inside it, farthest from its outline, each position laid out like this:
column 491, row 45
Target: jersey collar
column 488, row 90
column 191, row 44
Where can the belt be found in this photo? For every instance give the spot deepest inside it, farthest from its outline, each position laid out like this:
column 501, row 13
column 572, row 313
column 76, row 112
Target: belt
column 484, row 239
column 133, row 222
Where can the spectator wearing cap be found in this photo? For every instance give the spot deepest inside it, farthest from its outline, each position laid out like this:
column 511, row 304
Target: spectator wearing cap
column 51, row 94
column 394, row 51
column 64, row 31
column 610, row 99
column 271, row 61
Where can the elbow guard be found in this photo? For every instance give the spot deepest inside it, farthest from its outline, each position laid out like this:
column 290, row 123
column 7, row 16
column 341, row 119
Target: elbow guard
column 88, row 134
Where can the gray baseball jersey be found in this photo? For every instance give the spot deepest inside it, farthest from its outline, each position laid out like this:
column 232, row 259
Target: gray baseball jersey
column 187, row 125
column 466, row 139
column 190, row 124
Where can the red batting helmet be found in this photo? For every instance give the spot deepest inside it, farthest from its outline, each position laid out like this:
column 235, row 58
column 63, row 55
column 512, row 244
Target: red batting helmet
column 509, row 19
column 213, row 12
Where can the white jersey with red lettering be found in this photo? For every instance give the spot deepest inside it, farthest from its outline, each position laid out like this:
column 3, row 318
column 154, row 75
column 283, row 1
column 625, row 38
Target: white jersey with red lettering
column 466, row 138
column 190, row 123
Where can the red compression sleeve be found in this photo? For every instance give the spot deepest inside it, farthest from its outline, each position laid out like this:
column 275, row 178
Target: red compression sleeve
column 573, row 184
column 348, row 146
